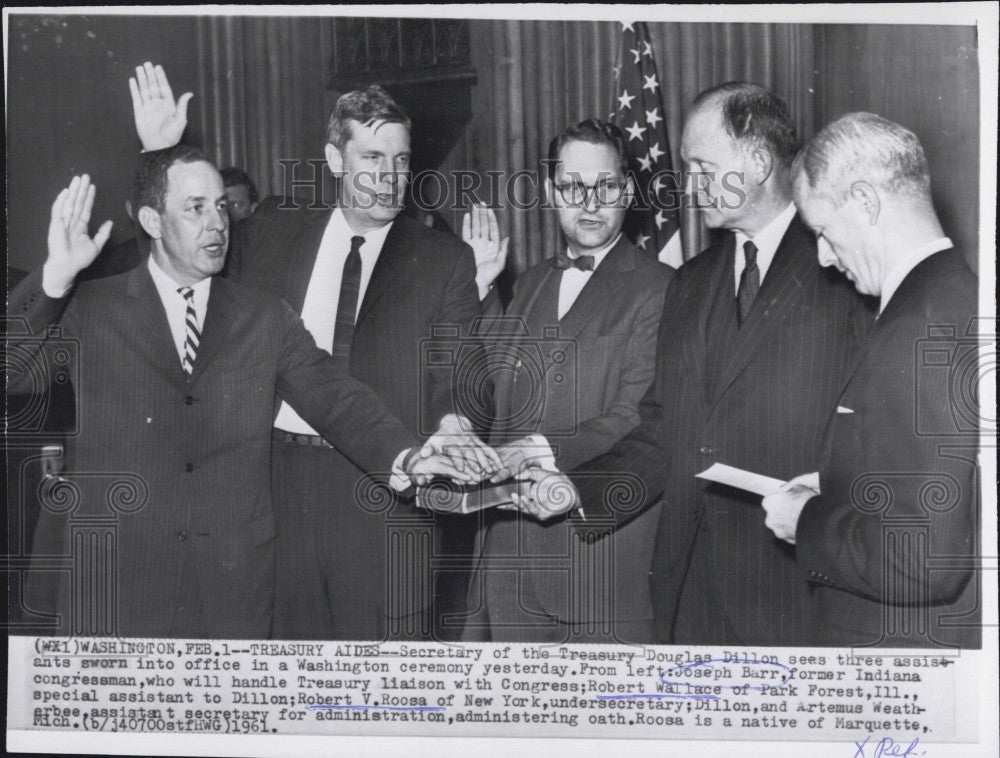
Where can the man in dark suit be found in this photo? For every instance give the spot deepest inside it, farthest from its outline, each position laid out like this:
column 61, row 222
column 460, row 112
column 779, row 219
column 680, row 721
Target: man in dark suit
column 371, row 286
column 166, row 512
column 753, row 343
column 567, row 387
column 900, row 483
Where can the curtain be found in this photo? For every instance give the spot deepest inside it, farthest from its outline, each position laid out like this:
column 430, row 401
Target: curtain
column 535, row 77
column 262, row 93
column 262, row 97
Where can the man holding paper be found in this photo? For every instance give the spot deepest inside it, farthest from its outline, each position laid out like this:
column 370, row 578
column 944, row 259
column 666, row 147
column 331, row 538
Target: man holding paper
column 753, row 343
column 889, row 545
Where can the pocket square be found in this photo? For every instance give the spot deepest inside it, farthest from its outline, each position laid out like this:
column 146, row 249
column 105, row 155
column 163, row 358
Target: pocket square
column 842, row 409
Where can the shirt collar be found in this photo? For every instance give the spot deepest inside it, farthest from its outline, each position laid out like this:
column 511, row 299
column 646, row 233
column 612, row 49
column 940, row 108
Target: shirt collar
column 905, row 265
column 165, row 285
column 600, row 255
column 768, row 238
column 373, row 239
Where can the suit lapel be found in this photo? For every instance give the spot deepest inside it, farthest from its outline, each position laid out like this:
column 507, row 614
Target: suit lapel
column 530, row 285
column 301, row 264
column 151, row 319
column 928, row 269
column 599, row 290
column 700, row 296
column 215, row 331
column 785, row 279
column 391, row 263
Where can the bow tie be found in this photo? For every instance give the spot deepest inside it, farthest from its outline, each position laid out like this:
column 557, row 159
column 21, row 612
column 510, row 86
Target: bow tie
column 582, row 262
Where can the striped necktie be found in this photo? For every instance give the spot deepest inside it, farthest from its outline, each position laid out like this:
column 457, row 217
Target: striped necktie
column 192, row 335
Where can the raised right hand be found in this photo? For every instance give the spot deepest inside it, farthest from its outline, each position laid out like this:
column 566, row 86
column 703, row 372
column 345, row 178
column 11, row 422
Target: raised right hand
column 71, row 249
column 159, row 121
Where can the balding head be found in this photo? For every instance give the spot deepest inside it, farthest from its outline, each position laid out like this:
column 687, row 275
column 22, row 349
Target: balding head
column 737, row 144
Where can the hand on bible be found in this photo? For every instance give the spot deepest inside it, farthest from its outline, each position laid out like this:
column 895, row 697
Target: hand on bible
column 159, row 120
column 548, row 494
column 454, row 440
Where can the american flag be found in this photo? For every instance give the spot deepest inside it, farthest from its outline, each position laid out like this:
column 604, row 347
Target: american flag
column 638, row 111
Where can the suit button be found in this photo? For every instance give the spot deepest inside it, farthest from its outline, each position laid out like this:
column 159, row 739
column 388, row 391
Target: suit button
column 706, row 450
column 189, row 400
column 181, row 536
column 189, row 467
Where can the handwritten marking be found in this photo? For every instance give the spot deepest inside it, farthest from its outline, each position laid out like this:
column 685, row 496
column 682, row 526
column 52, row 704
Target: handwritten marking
column 736, row 688
column 887, row 746
column 656, row 696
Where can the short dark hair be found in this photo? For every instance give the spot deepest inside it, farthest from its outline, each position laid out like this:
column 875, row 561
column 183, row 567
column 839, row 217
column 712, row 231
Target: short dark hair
column 755, row 116
column 237, row 177
column 594, row 131
column 366, row 106
column 150, row 186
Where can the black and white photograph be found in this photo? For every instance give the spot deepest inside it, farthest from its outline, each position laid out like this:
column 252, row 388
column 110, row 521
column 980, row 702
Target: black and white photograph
column 549, row 378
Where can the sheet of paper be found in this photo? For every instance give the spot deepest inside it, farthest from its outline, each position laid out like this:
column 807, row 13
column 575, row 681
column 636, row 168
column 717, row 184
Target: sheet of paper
column 744, row 480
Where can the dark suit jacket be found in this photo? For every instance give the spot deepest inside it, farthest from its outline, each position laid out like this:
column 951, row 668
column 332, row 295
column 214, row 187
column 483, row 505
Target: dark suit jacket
column 900, row 490
column 166, row 460
column 423, row 280
column 759, row 402
column 589, row 401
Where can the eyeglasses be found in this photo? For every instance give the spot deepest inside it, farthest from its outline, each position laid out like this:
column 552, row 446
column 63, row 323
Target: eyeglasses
column 577, row 193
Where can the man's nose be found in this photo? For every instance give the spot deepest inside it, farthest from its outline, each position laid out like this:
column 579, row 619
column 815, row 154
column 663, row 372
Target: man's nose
column 219, row 218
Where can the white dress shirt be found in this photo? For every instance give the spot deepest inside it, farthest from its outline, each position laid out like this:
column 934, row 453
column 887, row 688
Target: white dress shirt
column 905, row 265
column 319, row 311
column 766, row 240
column 574, row 280
column 570, row 286
column 175, row 304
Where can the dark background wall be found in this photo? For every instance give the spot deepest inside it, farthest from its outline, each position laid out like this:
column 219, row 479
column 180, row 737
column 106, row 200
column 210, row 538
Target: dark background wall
column 926, row 78
column 69, row 109
column 69, row 112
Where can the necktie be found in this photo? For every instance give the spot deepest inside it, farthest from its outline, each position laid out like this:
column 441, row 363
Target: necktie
column 582, row 262
column 347, row 305
column 192, row 335
column 749, row 281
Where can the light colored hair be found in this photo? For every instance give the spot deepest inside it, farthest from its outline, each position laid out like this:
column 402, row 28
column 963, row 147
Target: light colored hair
column 864, row 147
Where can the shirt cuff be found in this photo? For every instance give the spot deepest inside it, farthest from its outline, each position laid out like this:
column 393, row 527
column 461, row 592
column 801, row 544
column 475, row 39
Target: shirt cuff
column 542, row 455
column 399, row 480
column 55, row 284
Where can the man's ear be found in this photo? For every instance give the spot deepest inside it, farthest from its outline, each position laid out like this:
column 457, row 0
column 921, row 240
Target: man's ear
column 550, row 198
column 334, row 159
column 150, row 222
column 867, row 197
column 763, row 163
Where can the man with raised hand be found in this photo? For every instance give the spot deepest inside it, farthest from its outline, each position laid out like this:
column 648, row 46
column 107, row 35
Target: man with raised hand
column 754, row 345
column 169, row 520
column 372, row 286
column 567, row 388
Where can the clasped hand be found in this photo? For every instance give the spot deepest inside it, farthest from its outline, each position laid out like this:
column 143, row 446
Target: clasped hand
column 455, row 452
